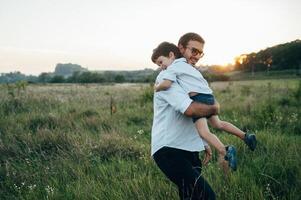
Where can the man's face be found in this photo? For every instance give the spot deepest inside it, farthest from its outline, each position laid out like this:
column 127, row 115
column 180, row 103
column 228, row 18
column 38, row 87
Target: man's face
column 163, row 62
column 192, row 52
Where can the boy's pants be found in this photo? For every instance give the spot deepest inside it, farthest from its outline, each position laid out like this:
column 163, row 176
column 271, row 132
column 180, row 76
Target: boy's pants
column 184, row 169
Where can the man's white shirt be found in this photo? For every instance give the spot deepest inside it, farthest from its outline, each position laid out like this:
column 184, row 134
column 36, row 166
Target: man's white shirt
column 171, row 128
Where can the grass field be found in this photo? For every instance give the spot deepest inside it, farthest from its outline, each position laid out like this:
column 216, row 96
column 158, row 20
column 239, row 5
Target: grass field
column 62, row 142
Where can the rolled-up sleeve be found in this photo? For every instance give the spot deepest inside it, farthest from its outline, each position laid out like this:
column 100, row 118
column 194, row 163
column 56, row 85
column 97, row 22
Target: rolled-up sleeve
column 176, row 97
column 170, row 74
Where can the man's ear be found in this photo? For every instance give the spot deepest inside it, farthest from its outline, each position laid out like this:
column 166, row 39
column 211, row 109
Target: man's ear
column 171, row 55
column 181, row 48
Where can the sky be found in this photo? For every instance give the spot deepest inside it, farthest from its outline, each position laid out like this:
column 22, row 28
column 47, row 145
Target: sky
column 35, row 35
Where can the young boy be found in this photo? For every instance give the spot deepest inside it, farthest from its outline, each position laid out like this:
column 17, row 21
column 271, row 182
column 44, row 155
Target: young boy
column 168, row 56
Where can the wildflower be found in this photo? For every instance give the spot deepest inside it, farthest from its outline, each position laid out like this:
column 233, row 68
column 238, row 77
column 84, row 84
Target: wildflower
column 49, row 189
column 31, row 187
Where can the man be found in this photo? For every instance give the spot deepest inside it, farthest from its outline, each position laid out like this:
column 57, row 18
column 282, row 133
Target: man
column 175, row 141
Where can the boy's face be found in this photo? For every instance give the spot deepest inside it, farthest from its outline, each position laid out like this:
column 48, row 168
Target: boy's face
column 163, row 62
column 193, row 51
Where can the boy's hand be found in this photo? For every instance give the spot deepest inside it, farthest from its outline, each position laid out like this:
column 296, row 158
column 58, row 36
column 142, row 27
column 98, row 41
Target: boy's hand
column 156, row 87
column 208, row 155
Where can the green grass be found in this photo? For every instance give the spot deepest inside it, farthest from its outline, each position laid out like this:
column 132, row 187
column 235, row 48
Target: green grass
column 61, row 142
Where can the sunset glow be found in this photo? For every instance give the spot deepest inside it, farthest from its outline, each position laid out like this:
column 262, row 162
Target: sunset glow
column 241, row 59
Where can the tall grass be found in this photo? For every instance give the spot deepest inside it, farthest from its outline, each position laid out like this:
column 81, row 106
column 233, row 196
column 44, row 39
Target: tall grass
column 61, row 142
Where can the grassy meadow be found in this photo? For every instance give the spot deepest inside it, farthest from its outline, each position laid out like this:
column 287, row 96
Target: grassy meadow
column 64, row 142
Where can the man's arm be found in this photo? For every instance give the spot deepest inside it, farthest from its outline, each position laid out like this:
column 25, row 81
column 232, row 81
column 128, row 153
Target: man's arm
column 177, row 98
column 197, row 109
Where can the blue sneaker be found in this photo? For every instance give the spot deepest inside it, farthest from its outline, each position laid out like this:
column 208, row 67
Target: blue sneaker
column 250, row 140
column 231, row 157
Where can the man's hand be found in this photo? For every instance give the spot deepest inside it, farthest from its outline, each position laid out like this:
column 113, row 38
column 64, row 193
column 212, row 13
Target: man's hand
column 224, row 165
column 216, row 104
column 197, row 109
column 208, row 155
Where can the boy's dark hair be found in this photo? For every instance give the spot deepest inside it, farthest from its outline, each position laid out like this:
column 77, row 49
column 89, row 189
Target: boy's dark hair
column 188, row 37
column 164, row 49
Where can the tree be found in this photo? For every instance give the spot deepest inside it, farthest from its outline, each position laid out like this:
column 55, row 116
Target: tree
column 44, row 77
column 119, row 78
column 57, row 79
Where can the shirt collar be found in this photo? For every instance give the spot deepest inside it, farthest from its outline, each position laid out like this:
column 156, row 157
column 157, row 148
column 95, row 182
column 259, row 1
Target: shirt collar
column 179, row 60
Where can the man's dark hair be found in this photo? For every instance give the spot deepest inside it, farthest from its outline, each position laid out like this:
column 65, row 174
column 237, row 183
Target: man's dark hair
column 164, row 49
column 190, row 37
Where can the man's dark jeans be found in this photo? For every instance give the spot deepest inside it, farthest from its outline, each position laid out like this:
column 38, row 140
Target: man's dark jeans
column 184, row 169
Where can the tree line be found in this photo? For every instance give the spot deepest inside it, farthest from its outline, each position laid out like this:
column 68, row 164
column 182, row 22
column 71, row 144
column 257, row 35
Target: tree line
column 95, row 77
column 280, row 57
column 83, row 77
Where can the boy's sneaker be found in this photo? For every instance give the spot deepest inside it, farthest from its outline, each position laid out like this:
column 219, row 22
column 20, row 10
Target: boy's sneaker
column 231, row 157
column 250, row 140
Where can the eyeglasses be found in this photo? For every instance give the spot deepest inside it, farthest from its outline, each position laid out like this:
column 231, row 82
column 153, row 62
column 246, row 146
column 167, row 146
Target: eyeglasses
column 196, row 52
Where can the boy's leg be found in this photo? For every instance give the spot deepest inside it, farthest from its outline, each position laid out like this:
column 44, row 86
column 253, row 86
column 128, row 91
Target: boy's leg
column 215, row 122
column 212, row 139
column 178, row 166
column 204, row 132
column 249, row 139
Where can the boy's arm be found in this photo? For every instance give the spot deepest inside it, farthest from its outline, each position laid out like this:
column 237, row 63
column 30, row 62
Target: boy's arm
column 164, row 85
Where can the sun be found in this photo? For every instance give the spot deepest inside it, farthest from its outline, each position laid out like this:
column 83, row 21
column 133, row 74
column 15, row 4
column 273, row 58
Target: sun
column 240, row 59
